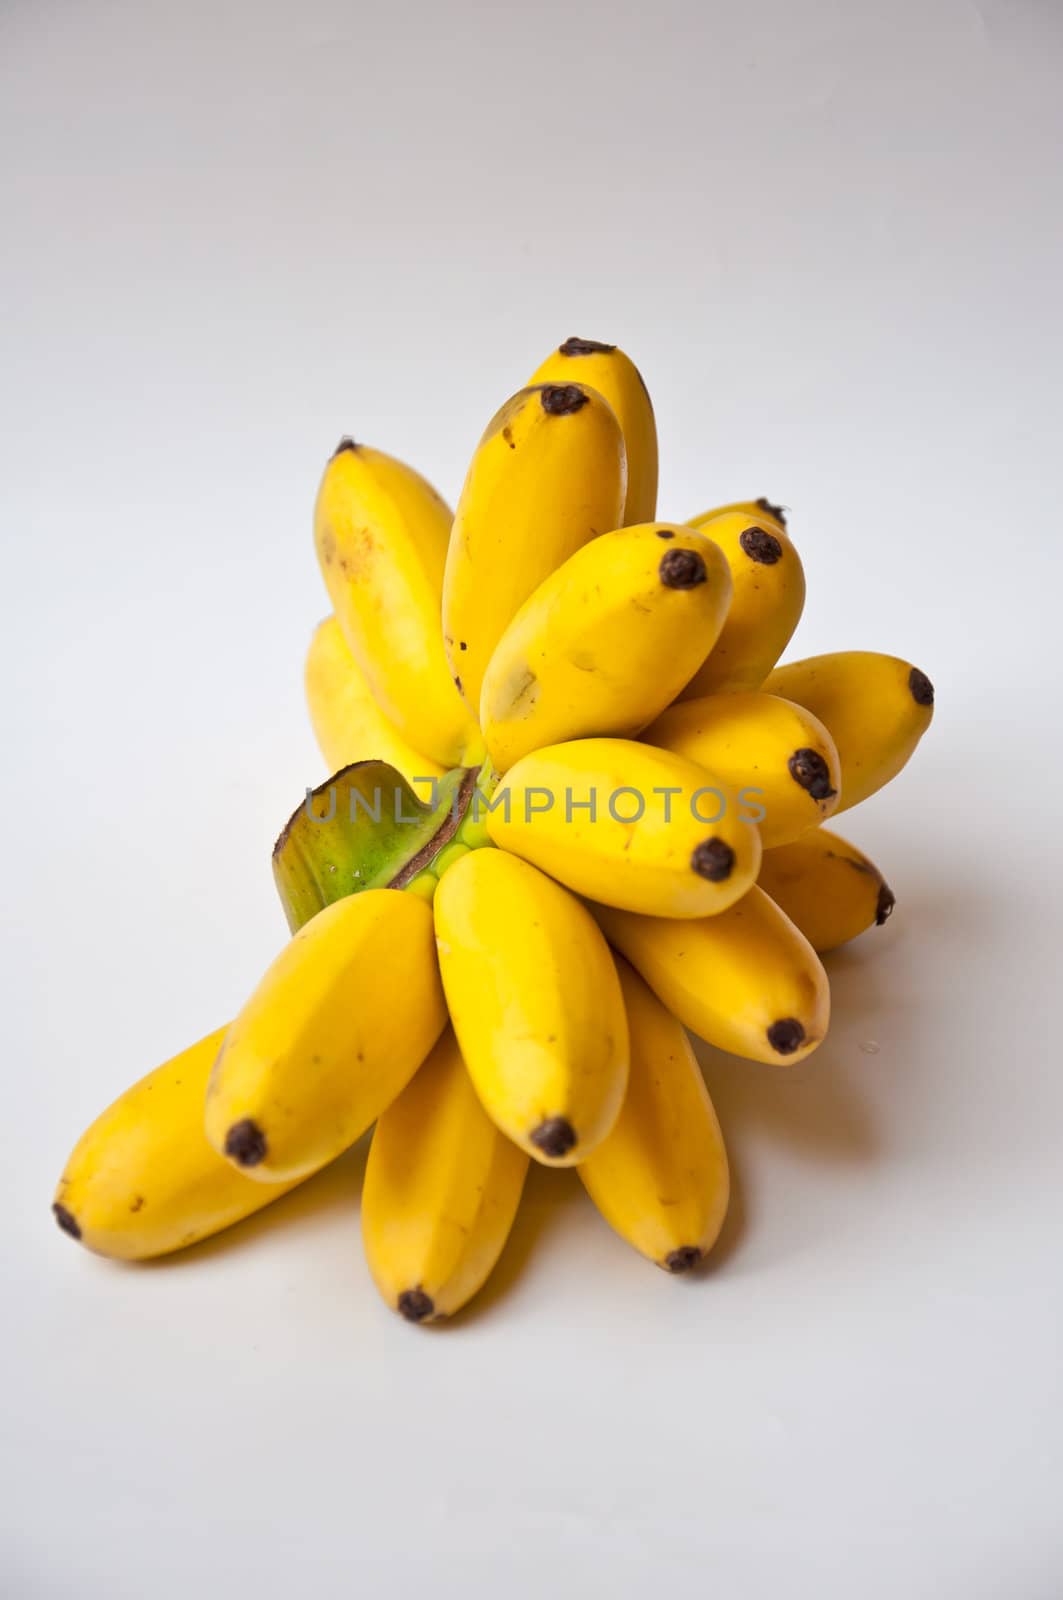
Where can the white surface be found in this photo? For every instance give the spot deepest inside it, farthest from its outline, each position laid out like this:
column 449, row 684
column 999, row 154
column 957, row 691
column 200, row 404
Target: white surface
column 830, row 234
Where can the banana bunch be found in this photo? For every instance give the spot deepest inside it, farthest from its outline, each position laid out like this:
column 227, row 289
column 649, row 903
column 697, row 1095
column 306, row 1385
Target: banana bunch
column 577, row 810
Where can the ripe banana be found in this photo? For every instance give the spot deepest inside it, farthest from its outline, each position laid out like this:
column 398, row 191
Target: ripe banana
column 760, row 744
column 143, row 1181
column 348, row 724
column 614, row 375
column 761, row 507
column 336, row 1028
column 827, row 888
column 381, row 533
column 876, row 707
column 660, row 1178
column 441, row 1191
column 769, row 596
column 746, row 981
column 606, row 641
column 629, row 825
column 535, row 1002
column 548, row 474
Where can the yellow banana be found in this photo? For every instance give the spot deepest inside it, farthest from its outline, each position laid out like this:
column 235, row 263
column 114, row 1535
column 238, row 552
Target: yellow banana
column 606, row 641
column 336, row 1028
column 876, row 707
column 348, row 724
column 660, row 1178
column 827, row 888
column 535, row 1002
column 747, row 980
column 761, row 745
column 761, row 507
column 441, row 1191
column 548, row 474
column 769, row 596
column 615, row 376
column 629, row 825
column 143, row 1181
column 381, row 533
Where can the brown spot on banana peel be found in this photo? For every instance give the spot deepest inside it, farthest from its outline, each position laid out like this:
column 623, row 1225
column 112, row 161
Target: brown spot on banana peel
column 585, row 347
column 884, row 907
column 682, row 569
column 665, row 533
column 713, row 859
column 562, row 399
column 921, row 687
column 681, row 1260
column 245, row 1143
column 810, row 770
column 761, row 546
column 555, row 1137
column 415, row 1305
column 786, row 1035
column 66, row 1220
column 444, row 833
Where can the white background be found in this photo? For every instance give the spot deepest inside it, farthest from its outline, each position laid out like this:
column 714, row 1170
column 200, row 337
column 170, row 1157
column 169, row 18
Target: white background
column 831, row 236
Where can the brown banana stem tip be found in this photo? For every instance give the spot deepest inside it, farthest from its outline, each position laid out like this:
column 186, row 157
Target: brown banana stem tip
column 886, row 902
column 555, row 1137
column 713, row 859
column 66, row 1220
column 808, row 768
column 682, row 569
column 773, row 511
column 760, row 545
column 681, row 1260
column 415, row 1305
column 346, row 443
column 562, row 399
column 585, row 347
column 786, row 1035
column 921, row 687
column 245, row 1143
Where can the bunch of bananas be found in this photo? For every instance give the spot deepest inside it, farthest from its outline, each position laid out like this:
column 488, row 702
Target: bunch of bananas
column 577, row 810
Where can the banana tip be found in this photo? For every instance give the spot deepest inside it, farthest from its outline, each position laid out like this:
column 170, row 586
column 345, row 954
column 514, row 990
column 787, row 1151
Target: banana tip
column 681, row 1260
column 786, row 1036
column 555, row 1137
column 66, row 1220
column 415, row 1305
column 245, row 1143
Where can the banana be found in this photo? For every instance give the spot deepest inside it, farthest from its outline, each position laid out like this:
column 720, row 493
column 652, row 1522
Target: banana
column 759, row 744
column 629, row 825
column 769, row 596
column 143, row 1181
column 442, row 1187
column 615, row 376
column 535, row 1002
column 348, row 724
column 606, row 641
column 762, row 507
column 381, row 533
column 660, row 1179
column 827, row 888
column 336, row 1028
column 548, row 474
column 746, row 981
column 876, row 707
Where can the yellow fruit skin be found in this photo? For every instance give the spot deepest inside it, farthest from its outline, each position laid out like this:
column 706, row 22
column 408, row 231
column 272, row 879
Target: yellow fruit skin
column 381, row 534
column 759, row 742
column 605, row 642
column 535, row 1002
column 661, row 1177
column 773, row 514
column 827, row 887
column 540, row 485
column 876, row 707
column 769, row 596
column 143, row 1181
column 335, row 1030
column 615, row 376
column 670, row 863
column 348, row 724
column 746, row 981
column 442, row 1187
